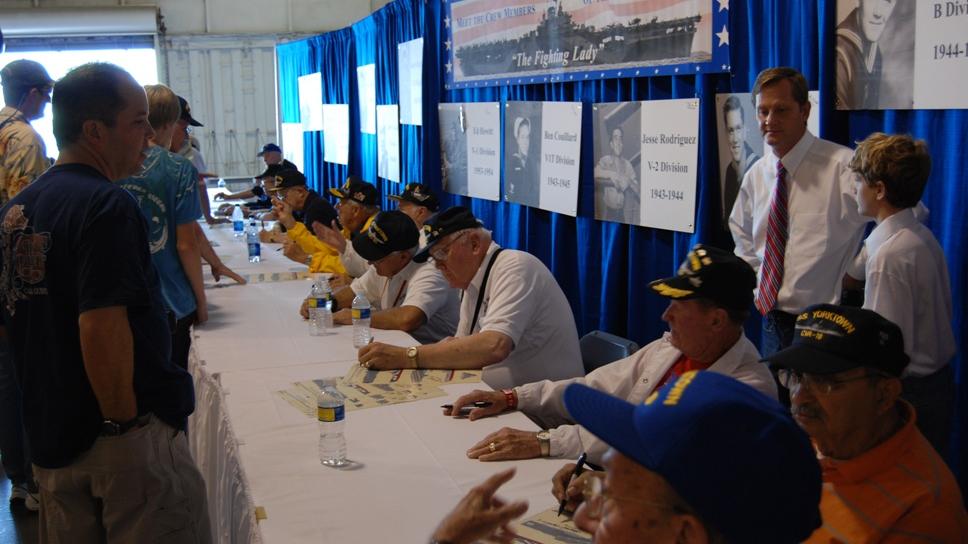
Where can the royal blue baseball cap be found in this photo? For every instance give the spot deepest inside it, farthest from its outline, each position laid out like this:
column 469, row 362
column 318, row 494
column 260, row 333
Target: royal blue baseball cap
column 733, row 454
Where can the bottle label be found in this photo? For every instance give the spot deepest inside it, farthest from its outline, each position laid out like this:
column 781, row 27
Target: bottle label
column 318, row 302
column 361, row 313
column 238, row 226
column 254, row 249
column 330, row 415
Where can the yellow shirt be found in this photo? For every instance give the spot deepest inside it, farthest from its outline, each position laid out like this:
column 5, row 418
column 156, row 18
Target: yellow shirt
column 23, row 155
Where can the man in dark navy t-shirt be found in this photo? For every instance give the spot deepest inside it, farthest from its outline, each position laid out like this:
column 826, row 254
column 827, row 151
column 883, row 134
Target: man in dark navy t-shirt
column 89, row 334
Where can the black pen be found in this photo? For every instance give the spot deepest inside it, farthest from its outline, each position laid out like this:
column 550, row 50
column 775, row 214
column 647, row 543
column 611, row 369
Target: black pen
column 577, row 472
column 478, row 404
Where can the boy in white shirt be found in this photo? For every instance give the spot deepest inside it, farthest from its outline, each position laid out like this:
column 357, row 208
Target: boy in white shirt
column 907, row 275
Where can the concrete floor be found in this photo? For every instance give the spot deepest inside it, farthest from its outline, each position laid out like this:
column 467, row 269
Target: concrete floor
column 15, row 527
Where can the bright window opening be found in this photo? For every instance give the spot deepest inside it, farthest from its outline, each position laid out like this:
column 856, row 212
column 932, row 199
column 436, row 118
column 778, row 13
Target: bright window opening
column 140, row 63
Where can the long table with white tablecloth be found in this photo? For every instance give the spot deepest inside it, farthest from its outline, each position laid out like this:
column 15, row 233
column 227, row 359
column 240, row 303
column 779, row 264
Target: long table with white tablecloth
column 258, row 453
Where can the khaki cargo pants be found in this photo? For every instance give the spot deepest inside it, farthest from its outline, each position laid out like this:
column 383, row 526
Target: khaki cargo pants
column 140, row 487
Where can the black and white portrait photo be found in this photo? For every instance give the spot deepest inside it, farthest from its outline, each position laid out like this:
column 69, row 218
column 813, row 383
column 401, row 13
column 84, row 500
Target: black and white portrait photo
column 875, row 54
column 740, row 144
column 453, row 150
column 618, row 157
column 522, row 152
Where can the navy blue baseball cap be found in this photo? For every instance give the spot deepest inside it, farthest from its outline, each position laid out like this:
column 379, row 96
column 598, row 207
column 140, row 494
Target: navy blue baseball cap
column 713, row 274
column 451, row 220
column 733, row 454
column 389, row 231
column 419, row 194
column 357, row 190
column 828, row 339
column 267, row 148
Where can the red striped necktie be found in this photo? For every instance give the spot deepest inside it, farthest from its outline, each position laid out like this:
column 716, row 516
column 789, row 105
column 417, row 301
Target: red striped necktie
column 776, row 240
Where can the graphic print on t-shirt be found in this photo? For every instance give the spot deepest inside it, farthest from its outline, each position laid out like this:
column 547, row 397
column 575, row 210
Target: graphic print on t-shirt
column 30, row 250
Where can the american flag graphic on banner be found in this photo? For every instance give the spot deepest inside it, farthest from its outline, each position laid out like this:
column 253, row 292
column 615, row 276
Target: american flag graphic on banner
column 493, row 42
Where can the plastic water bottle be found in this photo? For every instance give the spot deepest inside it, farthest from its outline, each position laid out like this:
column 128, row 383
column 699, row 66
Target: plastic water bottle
column 332, row 419
column 238, row 221
column 252, row 239
column 221, row 183
column 361, row 321
column 320, row 307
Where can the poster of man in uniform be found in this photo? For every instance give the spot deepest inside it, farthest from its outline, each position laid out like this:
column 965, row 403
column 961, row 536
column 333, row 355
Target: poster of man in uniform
column 741, row 143
column 522, row 152
column 542, row 143
column 646, row 154
column 470, row 149
column 875, row 54
column 618, row 172
column 453, row 149
column 499, row 42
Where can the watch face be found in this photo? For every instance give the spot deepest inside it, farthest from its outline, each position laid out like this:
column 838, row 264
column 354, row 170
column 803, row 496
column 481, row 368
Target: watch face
column 411, row 351
column 544, row 435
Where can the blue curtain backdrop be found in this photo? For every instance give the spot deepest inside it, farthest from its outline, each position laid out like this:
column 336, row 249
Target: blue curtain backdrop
column 604, row 267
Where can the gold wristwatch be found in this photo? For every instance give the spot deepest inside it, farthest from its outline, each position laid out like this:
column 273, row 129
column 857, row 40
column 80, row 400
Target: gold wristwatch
column 544, row 441
column 412, row 355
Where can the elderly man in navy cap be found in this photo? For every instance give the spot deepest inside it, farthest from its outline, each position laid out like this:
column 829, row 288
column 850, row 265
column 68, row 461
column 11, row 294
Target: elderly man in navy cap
column 705, row 459
column 882, row 479
column 515, row 321
column 407, row 295
column 709, row 299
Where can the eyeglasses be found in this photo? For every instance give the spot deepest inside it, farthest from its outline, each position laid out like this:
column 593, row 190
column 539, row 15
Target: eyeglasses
column 441, row 254
column 596, row 496
column 818, row 383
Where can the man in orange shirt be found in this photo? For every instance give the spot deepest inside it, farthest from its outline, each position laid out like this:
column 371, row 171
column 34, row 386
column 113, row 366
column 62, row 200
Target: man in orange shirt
column 882, row 479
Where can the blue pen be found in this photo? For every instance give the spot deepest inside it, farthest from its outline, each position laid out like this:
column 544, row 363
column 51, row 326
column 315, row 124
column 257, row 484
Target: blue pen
column 579, row 465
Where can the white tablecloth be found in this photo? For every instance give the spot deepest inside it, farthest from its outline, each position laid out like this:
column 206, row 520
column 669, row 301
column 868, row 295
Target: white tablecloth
column 255, row 450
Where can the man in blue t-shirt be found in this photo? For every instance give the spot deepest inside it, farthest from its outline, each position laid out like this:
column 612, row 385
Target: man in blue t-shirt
column 105, row 409
column 167, row 191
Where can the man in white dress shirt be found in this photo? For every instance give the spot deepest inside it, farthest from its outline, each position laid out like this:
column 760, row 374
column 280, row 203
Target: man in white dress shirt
column 515, row 321
column 907, row 275
column 799, row 236
column 406, row 295
column 709, row 300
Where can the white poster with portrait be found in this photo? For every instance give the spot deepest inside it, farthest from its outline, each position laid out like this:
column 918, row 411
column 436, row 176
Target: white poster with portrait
column 311, row 101
column 560, row 149
column 670, row 156
column 470, row 149
column 292, row 144
column 741, row 142
column 388, row 142
column 366, row 86
column 410, row 74
column 901, row 55
column 542, row 143
column 336, row 133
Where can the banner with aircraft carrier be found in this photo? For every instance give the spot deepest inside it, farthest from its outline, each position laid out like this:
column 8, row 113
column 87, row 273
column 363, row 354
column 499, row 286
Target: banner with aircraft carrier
column 509, row 42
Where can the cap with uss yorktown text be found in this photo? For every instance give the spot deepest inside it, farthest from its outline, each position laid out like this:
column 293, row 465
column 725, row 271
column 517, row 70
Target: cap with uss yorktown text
column 828, row 339
column 270, row 147
column 764, row 483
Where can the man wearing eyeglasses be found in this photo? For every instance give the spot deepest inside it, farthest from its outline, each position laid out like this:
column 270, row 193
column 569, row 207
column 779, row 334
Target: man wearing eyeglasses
column 23, row 155
column 357, row 206
column 882, row 478
column 406, row 295
column 706, row 459
column 515, row 321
